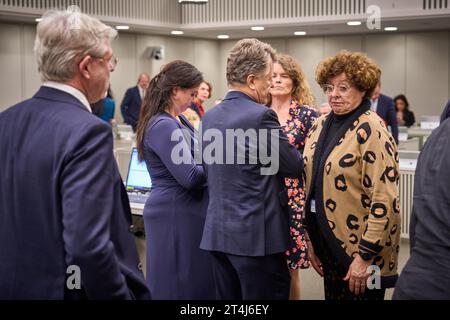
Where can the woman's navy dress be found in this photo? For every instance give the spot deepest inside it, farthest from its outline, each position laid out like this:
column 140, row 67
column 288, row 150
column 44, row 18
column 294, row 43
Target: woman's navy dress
column 174, row 216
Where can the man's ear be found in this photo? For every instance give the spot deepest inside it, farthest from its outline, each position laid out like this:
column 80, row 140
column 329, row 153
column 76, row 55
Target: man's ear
column 83, row 67
column 251, row 81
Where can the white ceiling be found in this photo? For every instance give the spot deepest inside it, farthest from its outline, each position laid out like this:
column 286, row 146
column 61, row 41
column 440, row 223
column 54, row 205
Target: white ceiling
column 313, row 28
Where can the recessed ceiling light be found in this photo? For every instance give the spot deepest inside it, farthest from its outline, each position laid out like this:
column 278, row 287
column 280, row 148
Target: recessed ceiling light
column 390, row 29
column 122, row 27
column 300, row 33
column 354, row 23
column 177, row 32
column 223, row 36
column 181, row 1
column 257, row 28
column 38, row 19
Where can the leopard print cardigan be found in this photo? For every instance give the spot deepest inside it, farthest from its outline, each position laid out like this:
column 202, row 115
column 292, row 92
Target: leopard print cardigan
column 359, row 190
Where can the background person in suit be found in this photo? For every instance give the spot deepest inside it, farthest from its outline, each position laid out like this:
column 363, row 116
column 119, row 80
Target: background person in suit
column 131, row 103
column 62, row 201
column 384, row 107
column 247, row 227
column 174, row 214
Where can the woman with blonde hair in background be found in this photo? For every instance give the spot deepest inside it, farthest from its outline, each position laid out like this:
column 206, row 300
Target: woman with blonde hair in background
column 292, row 101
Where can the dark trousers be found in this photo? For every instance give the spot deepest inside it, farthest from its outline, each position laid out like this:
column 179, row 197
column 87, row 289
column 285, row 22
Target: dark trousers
column 338, row 289
column 251, row 278
column 334, row 273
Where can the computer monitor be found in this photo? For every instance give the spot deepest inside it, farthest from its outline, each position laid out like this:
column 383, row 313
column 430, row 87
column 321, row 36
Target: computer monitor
column 138, row 177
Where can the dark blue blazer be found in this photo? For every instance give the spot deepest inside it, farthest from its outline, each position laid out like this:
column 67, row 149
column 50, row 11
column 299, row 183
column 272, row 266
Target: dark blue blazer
column 426, row 274
column 386, row 110
column 246, row 213
column 62, row 204
column 131, row 106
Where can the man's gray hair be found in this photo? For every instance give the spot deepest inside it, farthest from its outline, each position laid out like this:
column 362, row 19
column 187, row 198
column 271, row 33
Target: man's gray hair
column 248, row 56
column 63, row 38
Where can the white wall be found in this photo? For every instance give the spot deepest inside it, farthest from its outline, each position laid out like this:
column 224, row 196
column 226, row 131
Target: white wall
column 416, row 64
column 19, row 78
column 11, row 57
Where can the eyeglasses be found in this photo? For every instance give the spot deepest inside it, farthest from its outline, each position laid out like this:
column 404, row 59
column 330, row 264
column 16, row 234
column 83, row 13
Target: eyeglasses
column 112, row 62
column 342, row 89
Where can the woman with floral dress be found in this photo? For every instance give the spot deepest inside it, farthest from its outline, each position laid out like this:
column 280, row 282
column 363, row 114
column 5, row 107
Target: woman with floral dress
column 292, row 101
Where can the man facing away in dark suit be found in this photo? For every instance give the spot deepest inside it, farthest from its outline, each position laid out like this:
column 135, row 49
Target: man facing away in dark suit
column 131, row 103
column 425, row 275
column 246, row 227
column 385, row 108
column 64, row 214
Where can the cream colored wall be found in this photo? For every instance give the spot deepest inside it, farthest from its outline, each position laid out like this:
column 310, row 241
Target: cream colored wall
column 416, row 64
column 10, row 65
column 19, row 78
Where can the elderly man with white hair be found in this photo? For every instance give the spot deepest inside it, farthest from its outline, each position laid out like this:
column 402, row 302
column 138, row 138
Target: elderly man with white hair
column 64, row 214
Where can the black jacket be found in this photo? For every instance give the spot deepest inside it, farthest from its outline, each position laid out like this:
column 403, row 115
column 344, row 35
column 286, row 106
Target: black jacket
column 426, row 275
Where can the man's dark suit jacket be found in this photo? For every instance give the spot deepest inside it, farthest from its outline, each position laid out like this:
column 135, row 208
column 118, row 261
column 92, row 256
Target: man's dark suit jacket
column 131, row 106
column 386, row 110
column 426, row 274
column 245, row 214
column 63, row 204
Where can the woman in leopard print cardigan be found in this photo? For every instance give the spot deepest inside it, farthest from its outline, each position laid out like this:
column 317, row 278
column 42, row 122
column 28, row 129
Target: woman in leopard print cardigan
column 351, row 171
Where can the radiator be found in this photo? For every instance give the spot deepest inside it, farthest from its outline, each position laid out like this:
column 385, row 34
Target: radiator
column 405, row 193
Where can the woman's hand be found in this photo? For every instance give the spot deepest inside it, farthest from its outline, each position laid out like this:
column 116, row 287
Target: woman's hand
column 357, row 275
column 315, row 261
column 400, row 120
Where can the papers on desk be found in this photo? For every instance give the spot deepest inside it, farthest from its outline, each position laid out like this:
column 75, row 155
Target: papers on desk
column 403, row 136
column 137, row 208
column 429, row 125
column 408, row 160
column 408, row 164
column 429, row 122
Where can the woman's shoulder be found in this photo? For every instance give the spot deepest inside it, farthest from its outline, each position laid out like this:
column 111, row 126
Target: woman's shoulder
column 376, row 124
column 303, row 107
column 302, row 111
column 162, row 121
column 372, row 118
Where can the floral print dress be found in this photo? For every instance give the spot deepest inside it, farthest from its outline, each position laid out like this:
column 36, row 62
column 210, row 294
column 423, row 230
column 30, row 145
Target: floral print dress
column 298, row 125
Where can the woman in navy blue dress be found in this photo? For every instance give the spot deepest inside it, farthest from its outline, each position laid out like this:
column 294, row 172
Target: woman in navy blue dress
column 174, row 214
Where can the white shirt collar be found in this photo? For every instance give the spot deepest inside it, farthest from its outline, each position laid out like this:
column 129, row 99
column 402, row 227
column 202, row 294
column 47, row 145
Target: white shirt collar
column 374, row 105
column 70, row 90
column 141, row 92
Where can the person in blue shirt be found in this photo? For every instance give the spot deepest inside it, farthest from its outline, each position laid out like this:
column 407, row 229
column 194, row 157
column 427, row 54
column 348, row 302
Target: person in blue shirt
column 105, row 108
